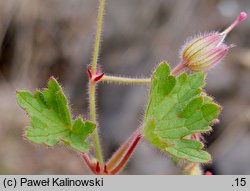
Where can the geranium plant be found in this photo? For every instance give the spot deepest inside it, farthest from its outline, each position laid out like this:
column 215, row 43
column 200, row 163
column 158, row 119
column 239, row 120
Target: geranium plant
column 178, row 111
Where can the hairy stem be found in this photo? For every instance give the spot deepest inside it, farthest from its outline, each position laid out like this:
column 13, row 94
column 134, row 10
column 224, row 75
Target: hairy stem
column 127, row 155
column 92, row 110
column 98, row 35
column 92, row 85
column 125, row 80
column 90, row 164
column 117, row 156
column 178, row 68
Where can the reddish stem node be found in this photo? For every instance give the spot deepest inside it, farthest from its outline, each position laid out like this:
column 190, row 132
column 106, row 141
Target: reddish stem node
column 95, row 76
column 99, row 77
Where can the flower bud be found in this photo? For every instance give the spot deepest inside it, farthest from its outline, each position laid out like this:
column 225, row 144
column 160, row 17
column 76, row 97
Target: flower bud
column 207, row 50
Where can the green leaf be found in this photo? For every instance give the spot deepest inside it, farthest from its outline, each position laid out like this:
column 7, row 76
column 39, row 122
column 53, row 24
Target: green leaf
column 177, row 109
column 50, row 118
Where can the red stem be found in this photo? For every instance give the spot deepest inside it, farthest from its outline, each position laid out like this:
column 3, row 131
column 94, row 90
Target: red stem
column 178, row 68
column 90, row 164
column 121, row 156
column 127, row 155
column 120, row 152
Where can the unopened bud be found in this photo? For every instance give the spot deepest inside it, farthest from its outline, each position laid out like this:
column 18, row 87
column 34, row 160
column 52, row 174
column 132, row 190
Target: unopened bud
column 207, row 50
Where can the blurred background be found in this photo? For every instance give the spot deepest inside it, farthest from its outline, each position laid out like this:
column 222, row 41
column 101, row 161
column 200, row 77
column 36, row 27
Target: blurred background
column 41, row 38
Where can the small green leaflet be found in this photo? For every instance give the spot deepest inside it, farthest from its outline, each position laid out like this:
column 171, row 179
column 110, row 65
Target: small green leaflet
column 51, row 122
column 177, row 109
